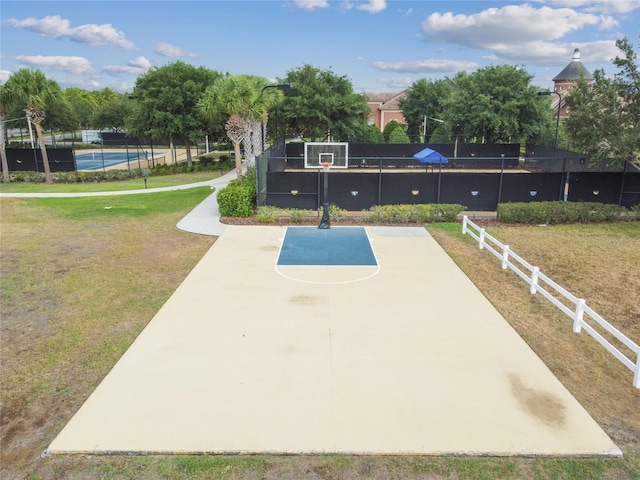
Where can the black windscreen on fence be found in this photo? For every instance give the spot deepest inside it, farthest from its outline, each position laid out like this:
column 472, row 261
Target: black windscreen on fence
column 374, row 178
column 30, row 160
column 477, row 191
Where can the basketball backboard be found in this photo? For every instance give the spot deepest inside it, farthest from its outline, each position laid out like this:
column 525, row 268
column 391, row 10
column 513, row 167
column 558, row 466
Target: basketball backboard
column 318, row 153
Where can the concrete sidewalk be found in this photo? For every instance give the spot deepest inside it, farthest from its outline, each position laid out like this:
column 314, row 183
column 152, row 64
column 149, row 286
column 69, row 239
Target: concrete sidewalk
column 404, row 358
column 205, row 218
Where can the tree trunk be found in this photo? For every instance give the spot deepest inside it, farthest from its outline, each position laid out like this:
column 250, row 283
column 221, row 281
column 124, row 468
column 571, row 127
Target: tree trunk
column 3, row 153
column 45, row 158
column 187, row 145
column 236, row 149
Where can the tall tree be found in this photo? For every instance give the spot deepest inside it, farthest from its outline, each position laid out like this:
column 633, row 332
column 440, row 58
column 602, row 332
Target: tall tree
column 166, row 99
column 83, row 104
column 325, row 107
column 605, row 115
column 33, row 89
column 113, row 115
column 242, row 102
column 496, row 104
column 423, row 102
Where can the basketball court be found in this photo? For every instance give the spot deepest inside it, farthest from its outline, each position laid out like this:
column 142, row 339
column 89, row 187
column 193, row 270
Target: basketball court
column 365, row 340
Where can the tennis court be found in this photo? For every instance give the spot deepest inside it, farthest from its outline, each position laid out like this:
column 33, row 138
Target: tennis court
column 262, row 351
column 98, row 160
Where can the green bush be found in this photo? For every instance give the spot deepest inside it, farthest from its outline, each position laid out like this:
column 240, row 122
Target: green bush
column 446, row 212
column 268, row 214
column 27, row 177
column 235, row 201
column 558, row 212
column 337, row 213
column 214, row 161
column 420, row 213
column 239, row 197
column 299, row 215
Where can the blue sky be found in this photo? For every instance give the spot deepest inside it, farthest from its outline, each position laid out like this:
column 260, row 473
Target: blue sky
column 380, row 45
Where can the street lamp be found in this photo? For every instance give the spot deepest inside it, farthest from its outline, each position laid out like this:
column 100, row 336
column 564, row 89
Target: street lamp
column 544, row 94
column 284, row 87
column 432, row 101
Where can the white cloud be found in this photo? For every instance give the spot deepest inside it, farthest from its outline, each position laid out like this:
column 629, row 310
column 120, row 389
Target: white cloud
column 426, row 66
column 137, row 66
column 522, row 33
column 168, row 50
column 559, row 53
column 4, row 75
column 311, row 4
column 373, row 6
column 607, row 23
column 607, row 6
column 75, row 65
column 57, row 27
column 496, row 27
column 140, row 62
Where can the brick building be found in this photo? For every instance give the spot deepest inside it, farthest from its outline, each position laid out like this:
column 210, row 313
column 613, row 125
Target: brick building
column 384, row 108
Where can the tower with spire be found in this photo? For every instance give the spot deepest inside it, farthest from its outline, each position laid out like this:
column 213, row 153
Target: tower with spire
column 566, row 78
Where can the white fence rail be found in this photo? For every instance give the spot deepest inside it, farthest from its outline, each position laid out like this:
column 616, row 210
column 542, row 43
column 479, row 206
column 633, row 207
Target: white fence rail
column 575, row 308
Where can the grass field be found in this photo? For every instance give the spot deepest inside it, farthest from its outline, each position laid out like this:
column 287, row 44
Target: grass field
column 80, row 281
column 134, row 184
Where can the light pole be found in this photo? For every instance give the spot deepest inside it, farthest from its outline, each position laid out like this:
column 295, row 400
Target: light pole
column 284, row 87
column 543, row 94
column 431, row 101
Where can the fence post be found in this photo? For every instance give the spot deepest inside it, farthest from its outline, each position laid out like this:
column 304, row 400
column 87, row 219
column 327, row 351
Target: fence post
column 505, row 257
column 481, row 244
column 464, row 224
column 636, row 373
column 579, row 315
column 534, row 280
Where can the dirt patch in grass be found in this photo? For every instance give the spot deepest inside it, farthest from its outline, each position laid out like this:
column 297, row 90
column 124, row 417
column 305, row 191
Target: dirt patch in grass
column 75, row 294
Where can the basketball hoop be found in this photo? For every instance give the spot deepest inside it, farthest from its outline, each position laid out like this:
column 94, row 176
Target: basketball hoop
column 326, row 165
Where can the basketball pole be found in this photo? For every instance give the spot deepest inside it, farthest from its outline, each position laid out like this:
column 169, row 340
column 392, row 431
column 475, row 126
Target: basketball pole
column 325, row 222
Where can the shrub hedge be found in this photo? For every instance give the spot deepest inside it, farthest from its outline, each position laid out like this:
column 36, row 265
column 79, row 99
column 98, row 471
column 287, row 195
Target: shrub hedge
column 381, row 214
column 238, row 198
column 559, row 212
column 421, row 213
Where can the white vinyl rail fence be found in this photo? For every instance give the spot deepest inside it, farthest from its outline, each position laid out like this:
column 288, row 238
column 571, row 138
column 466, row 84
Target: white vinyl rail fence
column 540, row 283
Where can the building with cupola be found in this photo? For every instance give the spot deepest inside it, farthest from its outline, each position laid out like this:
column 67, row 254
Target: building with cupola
column 569, row 76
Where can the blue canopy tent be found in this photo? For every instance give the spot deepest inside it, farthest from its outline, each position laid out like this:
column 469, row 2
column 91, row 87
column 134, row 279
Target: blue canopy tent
column 430, row 157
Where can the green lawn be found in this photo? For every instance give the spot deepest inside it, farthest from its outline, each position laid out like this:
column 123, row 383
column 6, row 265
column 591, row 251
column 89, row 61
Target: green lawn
column 133, row 184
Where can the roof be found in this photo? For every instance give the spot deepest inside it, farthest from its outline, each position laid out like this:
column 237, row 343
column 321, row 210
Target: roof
column 575, row 70
column 388, row 101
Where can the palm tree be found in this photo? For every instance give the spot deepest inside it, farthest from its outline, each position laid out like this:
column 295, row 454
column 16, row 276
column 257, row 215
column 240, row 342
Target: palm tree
column 34, row 90
column 3, row 139
column 244, row 102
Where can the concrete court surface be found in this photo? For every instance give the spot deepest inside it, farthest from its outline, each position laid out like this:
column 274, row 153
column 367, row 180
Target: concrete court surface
column 406, row 357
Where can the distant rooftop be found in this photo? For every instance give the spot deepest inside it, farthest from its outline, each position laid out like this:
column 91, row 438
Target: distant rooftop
column 574, row 71
column 389, row 101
